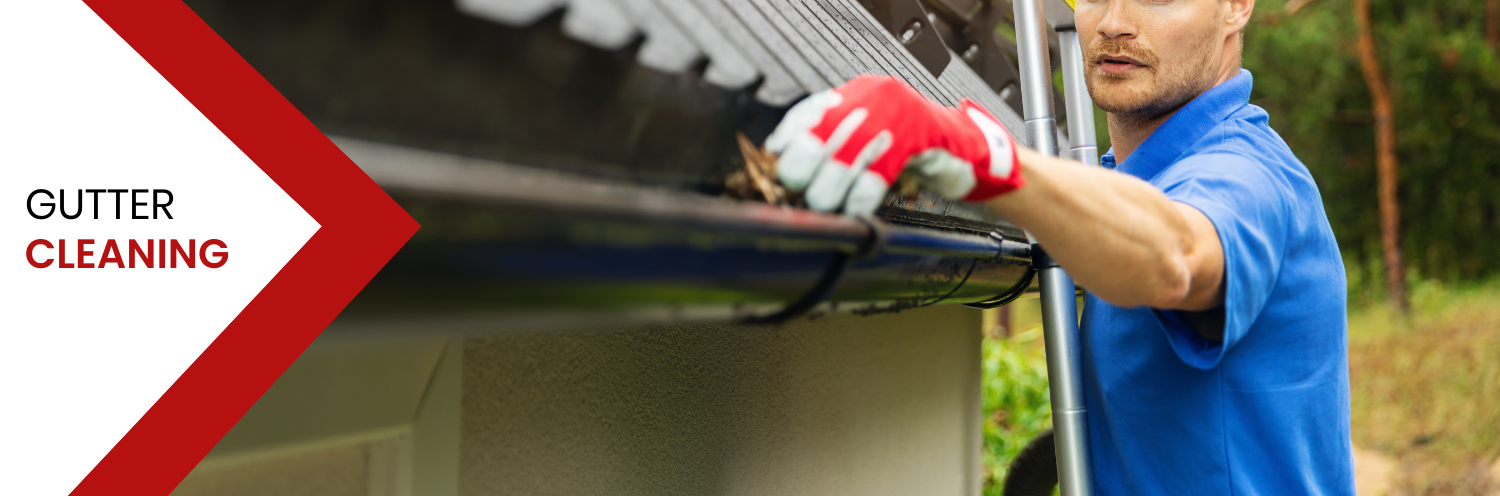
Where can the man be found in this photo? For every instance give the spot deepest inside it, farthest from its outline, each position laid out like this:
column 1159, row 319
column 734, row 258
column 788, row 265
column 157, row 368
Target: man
column 1213, row 335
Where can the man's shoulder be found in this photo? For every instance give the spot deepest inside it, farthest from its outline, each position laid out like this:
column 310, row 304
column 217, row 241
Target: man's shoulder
column 1245, row 132
column 1242, row 162
column 1244, row 143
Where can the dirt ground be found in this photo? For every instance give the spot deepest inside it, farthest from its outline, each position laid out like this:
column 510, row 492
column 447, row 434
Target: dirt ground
column 1374, row 473
column 1378, row 474
column 1494, row 478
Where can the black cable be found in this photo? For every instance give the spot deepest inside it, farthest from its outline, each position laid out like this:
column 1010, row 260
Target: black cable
column 819, row 292
column 955, row 288
column 1008, row 297
column 871, row 245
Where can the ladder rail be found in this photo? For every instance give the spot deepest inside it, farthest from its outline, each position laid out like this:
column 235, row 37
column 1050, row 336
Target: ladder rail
column 1058, row 296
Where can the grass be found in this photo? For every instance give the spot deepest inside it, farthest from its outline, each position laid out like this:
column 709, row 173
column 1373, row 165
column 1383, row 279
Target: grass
column 1425, row 388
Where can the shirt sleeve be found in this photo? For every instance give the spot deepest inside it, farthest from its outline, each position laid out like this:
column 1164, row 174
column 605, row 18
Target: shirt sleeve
column 1250, row 209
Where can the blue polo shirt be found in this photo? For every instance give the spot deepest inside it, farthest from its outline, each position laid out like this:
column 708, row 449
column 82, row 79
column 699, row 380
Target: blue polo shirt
column 1265, row 411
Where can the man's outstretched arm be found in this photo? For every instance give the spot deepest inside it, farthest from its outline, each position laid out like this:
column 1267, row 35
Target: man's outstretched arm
column 1117, row 235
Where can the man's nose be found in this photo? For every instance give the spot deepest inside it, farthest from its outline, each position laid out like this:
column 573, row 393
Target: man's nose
column 1117, row 21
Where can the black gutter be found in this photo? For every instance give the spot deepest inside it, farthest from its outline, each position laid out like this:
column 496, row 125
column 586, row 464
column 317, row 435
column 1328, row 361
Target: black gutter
column 500, row 238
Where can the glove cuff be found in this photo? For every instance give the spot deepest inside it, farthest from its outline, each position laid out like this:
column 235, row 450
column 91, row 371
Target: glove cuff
column 1001, row 173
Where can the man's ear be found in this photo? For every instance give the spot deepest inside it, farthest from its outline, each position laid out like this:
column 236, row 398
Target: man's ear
column 1239, row 15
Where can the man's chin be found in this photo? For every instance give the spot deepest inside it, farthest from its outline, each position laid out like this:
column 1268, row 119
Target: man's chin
column 1121, row 95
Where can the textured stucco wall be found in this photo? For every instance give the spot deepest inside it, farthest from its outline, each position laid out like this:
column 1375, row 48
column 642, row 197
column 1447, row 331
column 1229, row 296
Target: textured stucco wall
column 335, row 471
column 839, row 405
column 845, row 405
column 340, row 386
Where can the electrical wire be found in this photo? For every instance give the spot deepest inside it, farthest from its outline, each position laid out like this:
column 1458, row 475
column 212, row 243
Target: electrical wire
column 1005, row 299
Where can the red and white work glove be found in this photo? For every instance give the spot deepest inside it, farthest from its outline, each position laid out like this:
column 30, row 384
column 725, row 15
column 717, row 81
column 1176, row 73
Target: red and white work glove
column 845, row 146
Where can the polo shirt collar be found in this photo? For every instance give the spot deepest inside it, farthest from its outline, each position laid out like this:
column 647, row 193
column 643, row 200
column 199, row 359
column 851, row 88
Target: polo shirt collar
column 1185, row 128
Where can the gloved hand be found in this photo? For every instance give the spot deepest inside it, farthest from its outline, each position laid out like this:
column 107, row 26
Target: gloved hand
column 845, row 146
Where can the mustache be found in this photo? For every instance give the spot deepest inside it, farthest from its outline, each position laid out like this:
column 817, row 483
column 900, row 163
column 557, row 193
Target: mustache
column 1129, row 48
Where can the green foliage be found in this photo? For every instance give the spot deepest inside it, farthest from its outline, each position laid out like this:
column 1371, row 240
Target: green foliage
column 1446, row 86
column 1016, row 402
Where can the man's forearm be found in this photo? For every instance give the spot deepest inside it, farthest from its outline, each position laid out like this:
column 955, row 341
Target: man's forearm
column 1118, row 236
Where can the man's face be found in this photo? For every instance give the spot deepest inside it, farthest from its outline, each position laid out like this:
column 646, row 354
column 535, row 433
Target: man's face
column 1144, row 58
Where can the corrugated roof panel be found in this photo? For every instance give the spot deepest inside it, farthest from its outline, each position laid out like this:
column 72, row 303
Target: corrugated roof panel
column 864, row 33
column 779, row 47
column 601, row 23
column 846, row 42
column 887, row 47
column 666, row 47
column 727, row 66
column 792, row 47
column 779, row 87
column 807, row 43
column 512, row 12
column 833, row 47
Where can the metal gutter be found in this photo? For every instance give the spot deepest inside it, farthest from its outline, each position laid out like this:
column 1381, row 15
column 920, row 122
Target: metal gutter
column 498, row 237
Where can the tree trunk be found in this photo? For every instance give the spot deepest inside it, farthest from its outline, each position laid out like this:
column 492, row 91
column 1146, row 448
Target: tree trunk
column 1492, row 23
column 1004, row 318
column 1385, row 159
